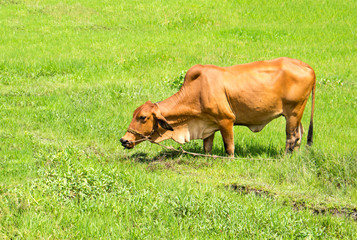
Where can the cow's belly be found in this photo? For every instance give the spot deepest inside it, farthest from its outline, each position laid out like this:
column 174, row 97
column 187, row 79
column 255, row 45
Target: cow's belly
column 256, row 108
column 257, row 126
column 256, row 118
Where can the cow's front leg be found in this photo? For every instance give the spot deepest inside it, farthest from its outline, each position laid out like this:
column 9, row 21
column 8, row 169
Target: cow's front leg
column 208, row 143
column 226, row 128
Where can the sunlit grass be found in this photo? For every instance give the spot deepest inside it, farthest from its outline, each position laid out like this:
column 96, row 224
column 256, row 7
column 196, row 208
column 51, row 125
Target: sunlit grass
column 72, row 73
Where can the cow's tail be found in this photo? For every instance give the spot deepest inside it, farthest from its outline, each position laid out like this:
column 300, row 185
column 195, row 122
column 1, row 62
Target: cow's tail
column 311, row 127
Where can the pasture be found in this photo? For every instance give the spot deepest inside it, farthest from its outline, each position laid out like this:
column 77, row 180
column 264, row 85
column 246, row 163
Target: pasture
column 73, row 72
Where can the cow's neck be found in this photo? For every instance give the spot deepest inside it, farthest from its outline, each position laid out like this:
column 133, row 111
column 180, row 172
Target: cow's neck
column 179, row 112
column 179, row 107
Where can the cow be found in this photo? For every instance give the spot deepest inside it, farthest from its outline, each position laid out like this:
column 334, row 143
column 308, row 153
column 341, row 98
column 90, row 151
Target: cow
column 216, row 98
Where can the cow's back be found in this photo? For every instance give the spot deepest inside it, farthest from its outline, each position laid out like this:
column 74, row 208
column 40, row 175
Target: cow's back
column 252, row 93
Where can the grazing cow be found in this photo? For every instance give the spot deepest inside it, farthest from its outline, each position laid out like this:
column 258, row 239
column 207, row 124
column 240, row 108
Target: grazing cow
column 217, row 98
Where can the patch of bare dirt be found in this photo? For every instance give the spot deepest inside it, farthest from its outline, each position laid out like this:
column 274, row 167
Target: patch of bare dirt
column 349, row 212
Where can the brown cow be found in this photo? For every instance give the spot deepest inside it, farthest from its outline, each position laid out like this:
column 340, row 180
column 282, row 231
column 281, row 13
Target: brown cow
column 217, row 98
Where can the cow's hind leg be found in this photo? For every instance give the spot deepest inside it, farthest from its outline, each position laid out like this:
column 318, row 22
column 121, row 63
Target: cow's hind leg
column 294, row 132
column 208, row 143
column 226, row 128
column 301, row 132
column 294, row 129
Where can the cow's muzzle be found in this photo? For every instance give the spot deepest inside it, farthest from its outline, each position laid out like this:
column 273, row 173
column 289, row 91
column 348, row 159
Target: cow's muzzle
column 126, row 143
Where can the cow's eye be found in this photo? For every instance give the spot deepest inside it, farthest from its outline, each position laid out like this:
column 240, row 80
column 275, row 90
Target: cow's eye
column 142, row 118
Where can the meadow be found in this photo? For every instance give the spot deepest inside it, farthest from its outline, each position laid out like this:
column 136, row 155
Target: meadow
column 73, row 72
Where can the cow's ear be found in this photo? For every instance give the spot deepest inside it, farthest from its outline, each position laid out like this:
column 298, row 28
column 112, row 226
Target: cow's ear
column 164, row 124
column 161, row 119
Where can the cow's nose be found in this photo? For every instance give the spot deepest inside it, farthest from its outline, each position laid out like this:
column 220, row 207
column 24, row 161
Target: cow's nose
column 126, row 143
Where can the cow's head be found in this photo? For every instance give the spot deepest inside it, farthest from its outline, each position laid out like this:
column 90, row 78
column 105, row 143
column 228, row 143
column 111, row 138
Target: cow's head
column 145, row 123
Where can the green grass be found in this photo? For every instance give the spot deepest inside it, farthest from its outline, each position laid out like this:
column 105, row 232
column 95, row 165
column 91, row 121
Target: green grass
column 72, row 73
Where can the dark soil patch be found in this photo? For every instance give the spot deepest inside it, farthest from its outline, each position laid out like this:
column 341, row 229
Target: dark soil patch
column 247, row 189
column 349, row 212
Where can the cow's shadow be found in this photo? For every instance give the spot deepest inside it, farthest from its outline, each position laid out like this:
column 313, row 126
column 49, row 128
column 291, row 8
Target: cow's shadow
column 255, row 149
column 252, row 149
column 163, row 155
column 248, row 150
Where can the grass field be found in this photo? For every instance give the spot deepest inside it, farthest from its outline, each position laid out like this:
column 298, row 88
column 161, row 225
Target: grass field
column 72, row 73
